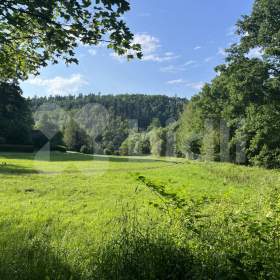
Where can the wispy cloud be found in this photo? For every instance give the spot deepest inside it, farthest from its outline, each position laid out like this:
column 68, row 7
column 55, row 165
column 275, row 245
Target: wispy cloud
column 173, row 69
column 150, row 49
column 189, row 62
column 193, row 85
column 176, row 82
column 159, row 58
column 197, row 85
column 177, row 68
column 59, row 85
column 197, row 48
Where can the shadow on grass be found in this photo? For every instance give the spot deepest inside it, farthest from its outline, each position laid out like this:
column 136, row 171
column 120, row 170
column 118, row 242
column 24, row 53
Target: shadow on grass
column 126, row 159
column 33, row 259
column 16, row 169
column 23, row 259
column 143, row 258
column 57, row 157
column 128, row 256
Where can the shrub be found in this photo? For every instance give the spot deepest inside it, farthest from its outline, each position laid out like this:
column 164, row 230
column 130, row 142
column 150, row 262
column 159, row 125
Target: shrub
column 124, row 148
column 86, row 150
column 136, row 144
column 108, row 151
column 117, row 153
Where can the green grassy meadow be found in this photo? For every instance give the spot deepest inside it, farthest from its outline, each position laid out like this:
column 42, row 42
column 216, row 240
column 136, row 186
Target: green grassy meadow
column 73, row 216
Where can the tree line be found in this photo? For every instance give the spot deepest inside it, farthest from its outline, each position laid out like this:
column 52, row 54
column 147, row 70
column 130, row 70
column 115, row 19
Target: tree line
column 92, row 123
column 105, row 123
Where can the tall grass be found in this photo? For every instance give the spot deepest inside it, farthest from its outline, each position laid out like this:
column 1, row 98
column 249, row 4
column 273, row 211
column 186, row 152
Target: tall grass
column 183, row 244
column 189, row 221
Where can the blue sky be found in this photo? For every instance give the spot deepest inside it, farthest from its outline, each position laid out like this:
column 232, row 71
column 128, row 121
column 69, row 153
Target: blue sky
column 183, row 40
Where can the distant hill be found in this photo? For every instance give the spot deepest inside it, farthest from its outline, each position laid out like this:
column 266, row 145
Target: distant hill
column 144, row 108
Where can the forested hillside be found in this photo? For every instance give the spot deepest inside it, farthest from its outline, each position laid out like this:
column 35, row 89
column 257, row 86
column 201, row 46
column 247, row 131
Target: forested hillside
column 122, row 124
column 140, row 107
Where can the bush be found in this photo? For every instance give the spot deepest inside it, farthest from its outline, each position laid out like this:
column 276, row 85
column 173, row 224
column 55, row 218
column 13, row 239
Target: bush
column 117, row 153
column 86, row 150
column 17, row 148
column 108, row 152
column 136, row 144
column 124, row 149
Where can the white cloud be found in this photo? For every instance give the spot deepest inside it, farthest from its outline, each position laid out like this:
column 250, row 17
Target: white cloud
column 172, row 69
column 149, row 43
column 189, row 62
column 92, row 52
column 255, row 53
column 197, row 48
column 159, row 58
column 193, row 85
column 176, row 82
column 177, row 68
column 150, row 49
column 198, row 85
column 59, row 85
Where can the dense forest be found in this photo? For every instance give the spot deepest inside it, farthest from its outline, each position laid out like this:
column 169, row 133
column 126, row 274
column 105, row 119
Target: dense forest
column 143, row 108
column 107, row 124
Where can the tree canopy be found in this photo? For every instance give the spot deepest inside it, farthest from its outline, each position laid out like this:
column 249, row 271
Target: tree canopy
column 260, row 30
column 109, row 120
column 35, row 33
column 244, row 97
column 15, row 116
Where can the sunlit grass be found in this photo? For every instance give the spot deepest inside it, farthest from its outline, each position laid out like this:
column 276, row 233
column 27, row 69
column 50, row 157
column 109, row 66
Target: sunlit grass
column 68, row 210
